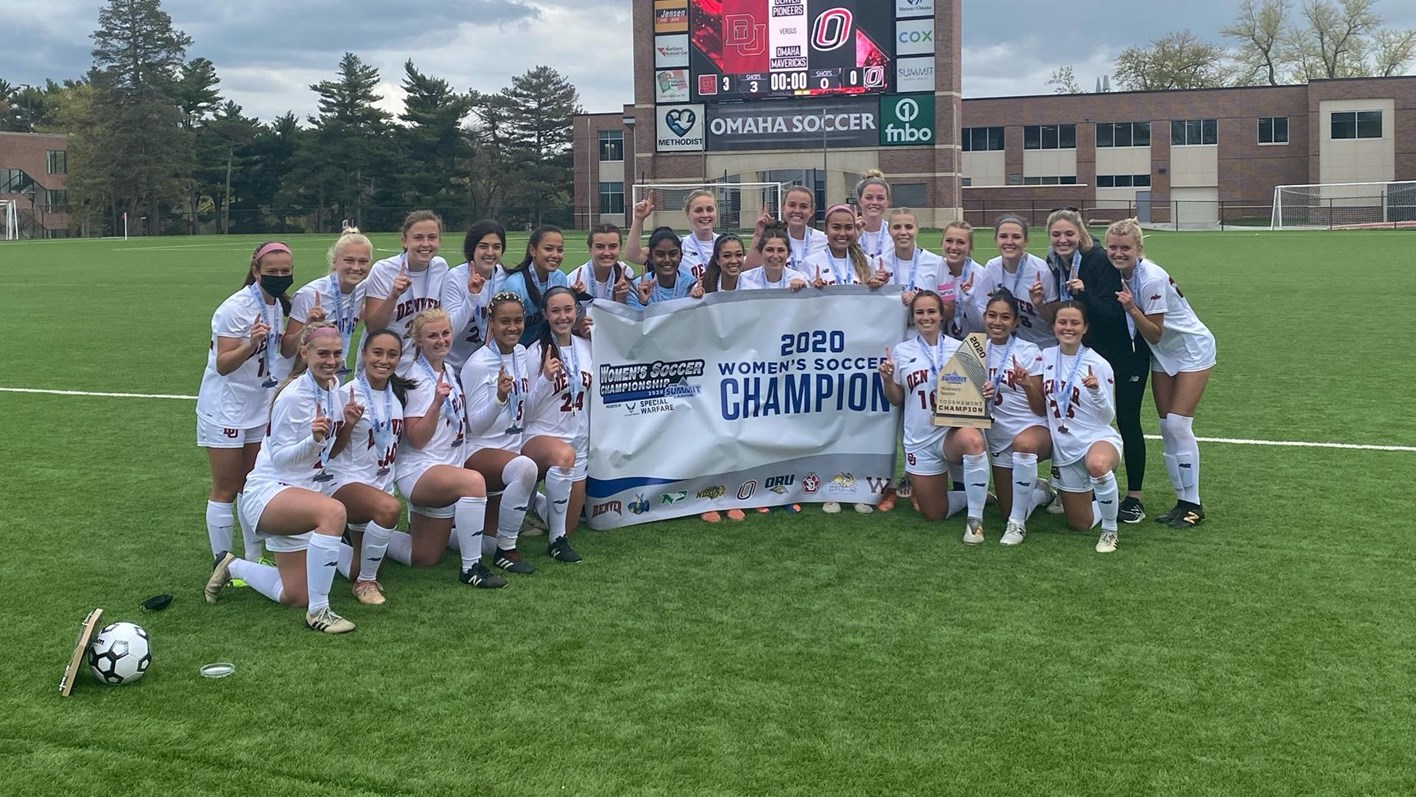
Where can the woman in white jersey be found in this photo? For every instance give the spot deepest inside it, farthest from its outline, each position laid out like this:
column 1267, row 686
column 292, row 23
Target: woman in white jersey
column 467, row 288
column 405, row 285
column 910, row 373
column 773, row 247
column 562, row 413
column 666, row 277
column 843, row 262
column 873, row 193
column 431, row 454
column 798, row 212
column 604, row 275
column 1182, row 357
column 701, row 210
column 364, row 468
column 1020, row 273
column 958, row 278
column 910, row 265
column 337, row 297
column 242, row 370
column 287, row 499
column 1080, row 390
column 1019, row 435
column 498, row 380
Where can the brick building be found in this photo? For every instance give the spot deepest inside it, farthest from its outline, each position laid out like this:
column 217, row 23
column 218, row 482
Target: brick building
column 32, row 172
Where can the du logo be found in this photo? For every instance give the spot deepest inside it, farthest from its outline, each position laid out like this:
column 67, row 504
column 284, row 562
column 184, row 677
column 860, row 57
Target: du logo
column 745, row 34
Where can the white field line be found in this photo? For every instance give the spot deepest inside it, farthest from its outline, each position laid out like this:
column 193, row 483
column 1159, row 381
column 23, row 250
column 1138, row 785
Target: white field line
column 1220, row 440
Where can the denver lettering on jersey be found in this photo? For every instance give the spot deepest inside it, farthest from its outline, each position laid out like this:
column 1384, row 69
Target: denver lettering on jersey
column 916, row 378
column 1050, row 388
column 415, row 306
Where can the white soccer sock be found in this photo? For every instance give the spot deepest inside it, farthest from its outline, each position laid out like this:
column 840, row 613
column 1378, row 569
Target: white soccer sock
column 261, row 578
column 1096, row 515
column 1039, row 497
column 1187, row 457
column 558, row 482
column 539, row 503
column 320, row 560
column 218, row 522
column 375, row 544
column 976, row 483
column 400, row 548
column 1024, row 480
column 469, row 513
column 249, row 541
column 519, row 476
column 1106, row 492
column 958, row 499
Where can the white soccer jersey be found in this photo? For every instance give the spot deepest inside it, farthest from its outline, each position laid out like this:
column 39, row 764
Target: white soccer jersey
column 968, row 315
column 341, row 309
column 1186, row 344
column 447, row 446
column 373, row 444
column 289, row 453
column 916, row 272
column 1011, row 411
column 917, row 367
column 696, row 254
column 755, row 279
column 836, row 270
column 1032, row 327
column 879, row 243
column 564, row 410
column 490, row 424
column 425, row 291
column 1084, row 414
column 241, row 399
column 601, row 289
column 803, row 248
column 467, row 313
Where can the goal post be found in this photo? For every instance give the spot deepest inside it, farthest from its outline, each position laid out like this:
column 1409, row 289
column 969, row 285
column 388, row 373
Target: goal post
column 739, row 204
column 1344, row 205
column 10, row 219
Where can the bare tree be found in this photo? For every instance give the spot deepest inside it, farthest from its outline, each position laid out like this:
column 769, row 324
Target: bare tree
column 1259, row 32
column 1177, row 60
column 1064, row 81
column 1392, row 51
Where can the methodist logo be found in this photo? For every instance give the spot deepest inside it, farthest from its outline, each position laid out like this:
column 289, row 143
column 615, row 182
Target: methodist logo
column 679, row 128
column 907, row 120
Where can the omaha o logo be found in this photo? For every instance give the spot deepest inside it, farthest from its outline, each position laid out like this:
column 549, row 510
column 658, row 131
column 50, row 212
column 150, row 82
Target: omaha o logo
column 833, row 29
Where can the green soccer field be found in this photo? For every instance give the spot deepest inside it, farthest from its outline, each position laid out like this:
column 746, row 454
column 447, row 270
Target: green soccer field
column 1269, row 651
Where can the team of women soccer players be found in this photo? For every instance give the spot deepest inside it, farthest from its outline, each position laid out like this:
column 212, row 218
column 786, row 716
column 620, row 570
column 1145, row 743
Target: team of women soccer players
column 469, row 387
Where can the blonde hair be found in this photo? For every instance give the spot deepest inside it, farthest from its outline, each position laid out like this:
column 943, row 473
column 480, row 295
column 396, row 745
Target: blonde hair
column 873, row 177
column 960, row 224
column 1129, row 227
column 421, row 321
column 350, row 237
column 697, row 193
column 307, row 336
column 1073, row 218
column 893, row 212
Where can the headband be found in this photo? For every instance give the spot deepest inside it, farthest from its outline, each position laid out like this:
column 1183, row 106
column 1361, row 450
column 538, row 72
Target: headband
column 273, row 246
column 846, row 208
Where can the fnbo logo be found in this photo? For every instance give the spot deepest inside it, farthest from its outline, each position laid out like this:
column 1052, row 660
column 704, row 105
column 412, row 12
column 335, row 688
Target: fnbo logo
column 907, row 120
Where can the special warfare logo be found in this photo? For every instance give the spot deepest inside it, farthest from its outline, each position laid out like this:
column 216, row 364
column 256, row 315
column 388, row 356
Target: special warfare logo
column 639, row 505
column 681, row 121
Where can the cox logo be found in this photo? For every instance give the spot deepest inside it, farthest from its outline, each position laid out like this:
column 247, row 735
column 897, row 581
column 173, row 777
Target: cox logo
column 916, row 36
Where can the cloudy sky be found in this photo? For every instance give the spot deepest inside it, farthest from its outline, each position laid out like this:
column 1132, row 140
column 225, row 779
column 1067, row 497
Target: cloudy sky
column 268, row 52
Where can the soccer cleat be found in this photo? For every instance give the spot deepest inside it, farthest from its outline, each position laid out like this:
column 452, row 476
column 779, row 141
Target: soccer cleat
column 267, row 560
column 1170, row 514
column 532, row 525
column 479, row 576
column 561, row 551
column 327, row 621
column 831, row 507
column 1189, row 516
column 887, row 500
column 762, row 510
column 1014, row 534
column 1054, row 507
column 1106, row 543
column 220, row 575
column 511, row 562
column 369, row 593
column 864, row 509
column 903, row 489
column 736, row 515
column 711, row 517
column 1131, row 510
column 973, row 531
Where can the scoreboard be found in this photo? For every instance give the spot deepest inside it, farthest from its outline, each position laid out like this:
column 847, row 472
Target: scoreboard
column 750, row 49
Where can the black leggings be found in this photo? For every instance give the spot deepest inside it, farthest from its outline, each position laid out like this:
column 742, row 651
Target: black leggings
column 1130, row 391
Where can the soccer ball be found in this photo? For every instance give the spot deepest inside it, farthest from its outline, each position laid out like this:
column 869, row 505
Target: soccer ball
column 120, row 654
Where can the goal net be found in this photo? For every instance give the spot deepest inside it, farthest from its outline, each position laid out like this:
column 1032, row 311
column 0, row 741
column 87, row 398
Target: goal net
column 739, row 204
column 11, row 219
column 1344, row 205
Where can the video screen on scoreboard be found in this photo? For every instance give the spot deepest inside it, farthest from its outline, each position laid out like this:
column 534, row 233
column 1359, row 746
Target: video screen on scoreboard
column 745, row 49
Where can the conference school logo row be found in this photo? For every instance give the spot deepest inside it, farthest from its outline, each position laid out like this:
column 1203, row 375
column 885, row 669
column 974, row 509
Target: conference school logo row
column 866, row 122
column 811, row 485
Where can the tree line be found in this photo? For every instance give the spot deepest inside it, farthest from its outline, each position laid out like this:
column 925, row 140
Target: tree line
column 150, row 135
column 1269, row 43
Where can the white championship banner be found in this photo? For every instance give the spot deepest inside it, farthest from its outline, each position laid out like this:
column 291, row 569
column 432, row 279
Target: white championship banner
column 740, row 400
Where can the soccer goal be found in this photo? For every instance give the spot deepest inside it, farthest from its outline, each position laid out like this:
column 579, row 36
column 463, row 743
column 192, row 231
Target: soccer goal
column 1344, row 205
column 739, row 204
column 11, row 218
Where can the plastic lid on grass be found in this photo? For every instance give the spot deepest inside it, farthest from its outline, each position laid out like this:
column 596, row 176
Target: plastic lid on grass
column 219, row 669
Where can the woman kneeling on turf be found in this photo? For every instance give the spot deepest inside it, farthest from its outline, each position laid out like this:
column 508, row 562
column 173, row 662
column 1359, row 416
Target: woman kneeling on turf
column 928, row 448
column 287, row 499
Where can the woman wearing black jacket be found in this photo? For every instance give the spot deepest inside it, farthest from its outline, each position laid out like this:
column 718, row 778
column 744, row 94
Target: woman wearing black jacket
column 1082, row 272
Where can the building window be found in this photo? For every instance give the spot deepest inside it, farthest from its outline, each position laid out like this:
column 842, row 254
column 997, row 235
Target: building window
column 14, row 181
column 1123, row 134
column 57, row 161
column 1193, row 132
column 983, row 139
column 1357, row 124
column 968, row 181
column 1050, row 137
column 611, row 197
column 1060, row 180
column 911, row 195
column 1273, row 129
column 1123, row 181
column 56, row 199
column 611, row 145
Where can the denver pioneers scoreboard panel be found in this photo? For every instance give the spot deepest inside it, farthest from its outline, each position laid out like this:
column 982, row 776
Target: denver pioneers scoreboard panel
column 744, row 49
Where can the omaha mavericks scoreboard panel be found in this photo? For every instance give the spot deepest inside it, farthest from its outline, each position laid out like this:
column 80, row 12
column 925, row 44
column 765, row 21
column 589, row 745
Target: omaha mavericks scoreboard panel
column 746, row 49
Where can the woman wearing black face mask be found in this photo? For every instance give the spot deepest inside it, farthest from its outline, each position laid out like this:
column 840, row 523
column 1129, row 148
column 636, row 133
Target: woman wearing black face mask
column 243, row 368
